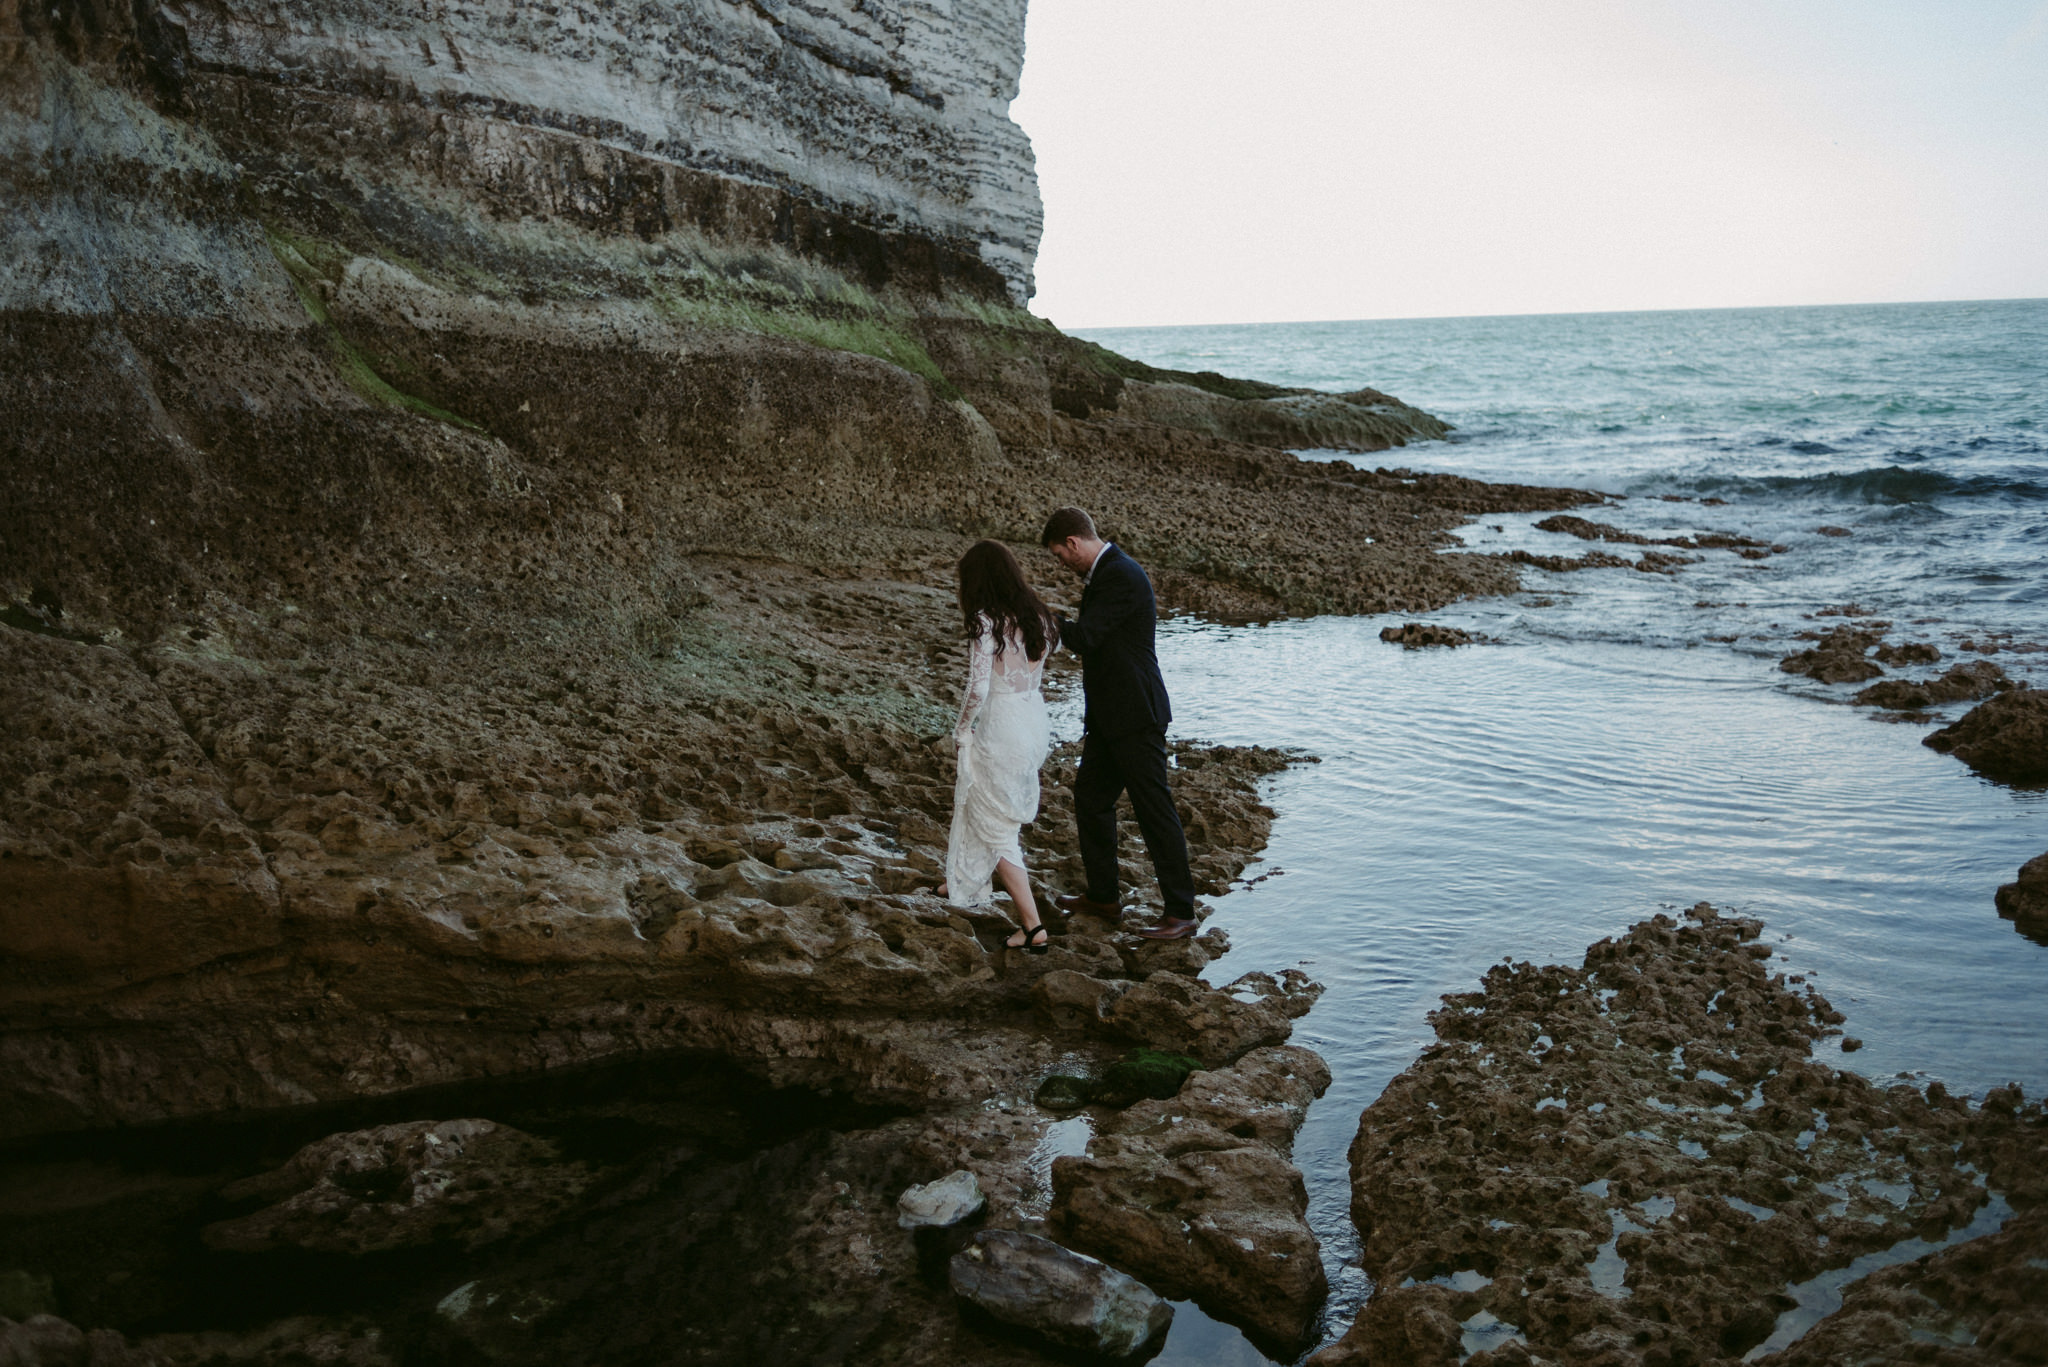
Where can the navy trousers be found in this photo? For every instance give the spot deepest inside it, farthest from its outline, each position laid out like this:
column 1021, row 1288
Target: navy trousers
column 1135, row 763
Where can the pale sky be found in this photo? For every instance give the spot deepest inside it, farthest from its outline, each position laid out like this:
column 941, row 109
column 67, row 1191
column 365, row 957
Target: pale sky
column 1206, row 162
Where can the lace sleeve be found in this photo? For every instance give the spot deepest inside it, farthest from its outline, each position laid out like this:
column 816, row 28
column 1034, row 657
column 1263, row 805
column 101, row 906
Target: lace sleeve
column 980, row 660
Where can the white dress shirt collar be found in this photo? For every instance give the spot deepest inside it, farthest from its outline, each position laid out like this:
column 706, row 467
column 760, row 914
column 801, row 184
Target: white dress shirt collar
column 1089, row 577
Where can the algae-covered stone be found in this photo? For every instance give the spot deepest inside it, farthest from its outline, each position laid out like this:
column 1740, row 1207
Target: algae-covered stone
column 1065, row 1092
column 1145, row 1073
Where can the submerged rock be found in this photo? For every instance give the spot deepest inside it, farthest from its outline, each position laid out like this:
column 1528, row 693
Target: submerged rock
column 470, row 1182
column 1076, row 1302
column 2005, row 738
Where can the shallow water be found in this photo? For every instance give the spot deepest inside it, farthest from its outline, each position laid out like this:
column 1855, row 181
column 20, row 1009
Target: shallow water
column 1526, row 801
column 1607, row 759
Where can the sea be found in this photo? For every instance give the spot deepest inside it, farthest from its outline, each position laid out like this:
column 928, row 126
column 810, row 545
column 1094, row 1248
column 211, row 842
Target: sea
column 1624, row 743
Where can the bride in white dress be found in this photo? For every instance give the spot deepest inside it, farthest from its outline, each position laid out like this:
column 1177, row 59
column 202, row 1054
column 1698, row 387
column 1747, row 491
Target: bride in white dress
column 1002, row 737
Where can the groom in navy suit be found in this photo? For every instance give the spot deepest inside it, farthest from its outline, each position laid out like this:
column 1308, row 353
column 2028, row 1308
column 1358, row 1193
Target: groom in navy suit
column 1124, row 745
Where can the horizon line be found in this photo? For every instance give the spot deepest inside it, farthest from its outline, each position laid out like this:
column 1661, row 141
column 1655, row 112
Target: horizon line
column 1555, row 313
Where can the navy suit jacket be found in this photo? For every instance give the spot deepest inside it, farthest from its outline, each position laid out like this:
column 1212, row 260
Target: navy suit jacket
column 1120, row 680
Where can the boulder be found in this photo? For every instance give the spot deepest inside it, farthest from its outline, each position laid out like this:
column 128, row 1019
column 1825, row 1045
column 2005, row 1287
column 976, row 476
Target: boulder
column 469, row 1182
column 2005, row 738
column 1078, row 1303
column 951, row 1200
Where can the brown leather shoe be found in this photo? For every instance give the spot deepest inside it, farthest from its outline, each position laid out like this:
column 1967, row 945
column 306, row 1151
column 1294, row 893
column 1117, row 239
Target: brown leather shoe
column 1172, row 928
column 1078, row 904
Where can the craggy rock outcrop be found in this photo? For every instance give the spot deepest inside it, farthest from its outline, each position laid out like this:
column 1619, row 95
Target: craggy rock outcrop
column 2005, row 738
column 1637, row 1161
column 1652, row 562
column 1196, row 1195
column 1421, row 635
column 470, row 1182
column 1909, row 653
column 2024, row 901
column 1842, row 655
column 1979, row 1303
column 1962, row 683
column 1747, row 547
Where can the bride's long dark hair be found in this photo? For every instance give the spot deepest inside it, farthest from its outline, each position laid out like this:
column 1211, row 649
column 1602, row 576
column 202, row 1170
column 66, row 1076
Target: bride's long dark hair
column 992, row 585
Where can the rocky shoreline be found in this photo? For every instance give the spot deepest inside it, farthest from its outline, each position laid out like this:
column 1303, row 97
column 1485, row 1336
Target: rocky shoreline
column 1638, row 1161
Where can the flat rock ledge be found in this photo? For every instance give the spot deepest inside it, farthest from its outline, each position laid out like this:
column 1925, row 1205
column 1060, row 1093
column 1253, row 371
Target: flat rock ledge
column 1639, row 1161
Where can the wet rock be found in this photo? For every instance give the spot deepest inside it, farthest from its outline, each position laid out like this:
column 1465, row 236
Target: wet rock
column 1065, row 1092
column 2005, row 738
column 1175, row 1013
column 1840, row 657
column 2024, row 901
column 47, row 1341
column 1197, row 1195
column 1419, row 635
column 1579, row 527
column 949, row 1201
column 1828, row 530
column 468, row 1182
column 1627, row 1161
column 1076, row 1302
column 1978, row 679
column 1568, row 525
column 1909, row 653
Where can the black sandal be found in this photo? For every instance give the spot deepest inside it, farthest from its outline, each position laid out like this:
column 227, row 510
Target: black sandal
column 1032, row 943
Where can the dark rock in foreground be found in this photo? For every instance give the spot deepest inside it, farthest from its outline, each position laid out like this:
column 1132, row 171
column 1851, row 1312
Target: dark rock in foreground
column 1076, row 1302
column 2004, row 739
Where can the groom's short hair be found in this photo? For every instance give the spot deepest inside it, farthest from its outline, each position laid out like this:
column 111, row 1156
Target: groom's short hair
column 1066, row 522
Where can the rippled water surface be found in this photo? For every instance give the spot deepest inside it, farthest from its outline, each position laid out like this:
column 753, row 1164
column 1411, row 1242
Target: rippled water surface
column 1612, row 754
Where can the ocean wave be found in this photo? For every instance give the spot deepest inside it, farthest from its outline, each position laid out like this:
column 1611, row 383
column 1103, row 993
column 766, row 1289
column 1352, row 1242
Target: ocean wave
column 1881, row 484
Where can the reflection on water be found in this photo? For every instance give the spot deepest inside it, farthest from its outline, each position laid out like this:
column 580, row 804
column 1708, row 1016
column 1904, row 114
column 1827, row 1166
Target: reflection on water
column 1524, row 801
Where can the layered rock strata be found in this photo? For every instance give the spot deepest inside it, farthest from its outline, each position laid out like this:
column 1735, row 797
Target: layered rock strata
column 1639, row 1161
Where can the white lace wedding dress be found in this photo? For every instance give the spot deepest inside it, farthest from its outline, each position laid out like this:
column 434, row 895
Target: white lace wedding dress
column 1002, row 739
